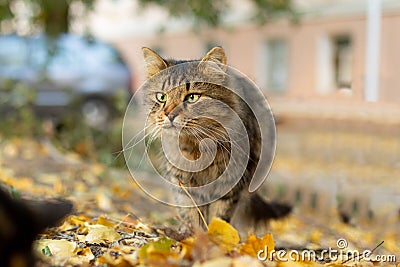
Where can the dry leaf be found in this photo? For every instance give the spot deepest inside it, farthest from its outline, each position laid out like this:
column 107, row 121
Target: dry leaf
column 103, row 221
column 187, row 247
column 254, row 245
column 223, row 234
column 157, row 251
column 109, row 260
column 61, row 252
column 83, row 255
column 203, row 249
column 101, row 234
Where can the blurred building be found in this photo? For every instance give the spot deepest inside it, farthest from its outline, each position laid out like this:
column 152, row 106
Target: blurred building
column 321, row 59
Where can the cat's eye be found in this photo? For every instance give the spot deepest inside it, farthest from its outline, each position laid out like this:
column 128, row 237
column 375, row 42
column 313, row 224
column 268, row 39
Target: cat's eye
column 191, row 98
column 161, row 97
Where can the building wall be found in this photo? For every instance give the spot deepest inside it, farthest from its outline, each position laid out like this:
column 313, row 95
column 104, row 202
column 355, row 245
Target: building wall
column 390, row 59
column 307, row 56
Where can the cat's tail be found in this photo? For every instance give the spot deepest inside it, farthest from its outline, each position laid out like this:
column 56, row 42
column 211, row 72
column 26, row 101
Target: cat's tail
column 262, row 210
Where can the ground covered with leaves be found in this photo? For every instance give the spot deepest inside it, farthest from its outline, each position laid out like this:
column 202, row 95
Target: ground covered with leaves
column 115, row 224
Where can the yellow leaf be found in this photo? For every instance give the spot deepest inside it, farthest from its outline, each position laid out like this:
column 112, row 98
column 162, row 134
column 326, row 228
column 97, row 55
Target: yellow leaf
column 315, row 236
column 58, row 248
column 108, row 260
column 157, row 251
column 73, row 221
column 103, row 221
column 100, row 234
column 254, row 244
column 131, row 259
column 84, row 255
column 187, row 247
column 78, row 220
column 223, row 234
column 62, row 252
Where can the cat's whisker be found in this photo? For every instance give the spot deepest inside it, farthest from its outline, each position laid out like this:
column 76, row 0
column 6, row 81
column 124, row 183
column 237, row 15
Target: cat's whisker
column 134, row 138
column 150, row 133
column 147, row 126
column 231, row 142
column 150, row 140
column 208, row 148
column 217, row 141
column 222, row 135
column 129, row 146
column 228, row 129
column 233, row 128
column 228, row 140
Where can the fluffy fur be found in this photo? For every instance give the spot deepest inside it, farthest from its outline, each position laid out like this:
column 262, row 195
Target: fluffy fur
column 178, row 112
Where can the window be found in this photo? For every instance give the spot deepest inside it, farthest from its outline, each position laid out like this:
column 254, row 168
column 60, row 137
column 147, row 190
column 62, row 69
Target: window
column 342, row 61
column 277, row 65
column 334, row 63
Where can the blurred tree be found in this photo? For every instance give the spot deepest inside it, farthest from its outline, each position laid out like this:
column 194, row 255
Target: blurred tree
column 211, row 11
column 51, row 16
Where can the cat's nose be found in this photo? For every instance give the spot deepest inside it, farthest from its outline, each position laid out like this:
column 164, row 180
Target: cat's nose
column 171, row 116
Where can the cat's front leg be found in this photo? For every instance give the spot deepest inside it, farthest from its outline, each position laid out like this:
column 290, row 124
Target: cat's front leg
column 189, row 217
column 222, row 208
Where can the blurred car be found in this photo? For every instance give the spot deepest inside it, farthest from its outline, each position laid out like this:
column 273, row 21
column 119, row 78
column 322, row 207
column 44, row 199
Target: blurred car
column 63, row 75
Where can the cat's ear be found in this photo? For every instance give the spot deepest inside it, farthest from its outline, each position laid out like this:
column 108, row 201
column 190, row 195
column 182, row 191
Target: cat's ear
column 217, row 55
column 213, row 64
column 154, row 62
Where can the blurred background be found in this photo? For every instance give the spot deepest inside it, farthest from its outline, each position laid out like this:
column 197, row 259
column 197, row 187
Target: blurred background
column 329, row 69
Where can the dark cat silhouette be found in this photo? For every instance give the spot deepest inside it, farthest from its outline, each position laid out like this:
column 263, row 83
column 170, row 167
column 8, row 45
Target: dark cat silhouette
column 20, row 222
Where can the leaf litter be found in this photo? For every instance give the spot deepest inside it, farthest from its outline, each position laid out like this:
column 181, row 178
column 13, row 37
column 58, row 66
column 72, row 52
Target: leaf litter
column 114, row 224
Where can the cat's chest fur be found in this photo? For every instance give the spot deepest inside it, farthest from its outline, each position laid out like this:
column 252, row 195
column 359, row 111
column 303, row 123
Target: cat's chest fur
column 190, row 152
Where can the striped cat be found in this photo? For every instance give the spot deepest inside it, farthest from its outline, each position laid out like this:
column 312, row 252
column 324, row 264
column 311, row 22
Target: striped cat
column 176, row 104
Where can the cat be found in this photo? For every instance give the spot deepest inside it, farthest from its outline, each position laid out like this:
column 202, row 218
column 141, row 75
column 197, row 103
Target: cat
column 20, row 223
column 179, row 107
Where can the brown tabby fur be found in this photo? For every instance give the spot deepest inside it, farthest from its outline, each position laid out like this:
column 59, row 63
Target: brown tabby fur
column 177, row 113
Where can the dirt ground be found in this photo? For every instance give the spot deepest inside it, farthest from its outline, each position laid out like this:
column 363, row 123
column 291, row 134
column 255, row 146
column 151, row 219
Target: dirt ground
column 330, row 171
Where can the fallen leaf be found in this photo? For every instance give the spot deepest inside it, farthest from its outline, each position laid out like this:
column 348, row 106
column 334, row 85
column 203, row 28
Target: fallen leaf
column 187, row 247
column 254, row 245
column 101, row 234
column 203, row 249
column 61, row 252
column 83, row 255
column 157, row 251
column 78, row 220
column 110, row 260
column 223, row 234
column 56, row 248
column 103, row 221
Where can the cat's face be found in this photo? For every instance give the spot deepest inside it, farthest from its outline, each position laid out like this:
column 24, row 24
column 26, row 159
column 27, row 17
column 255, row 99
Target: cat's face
column 180, row 105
